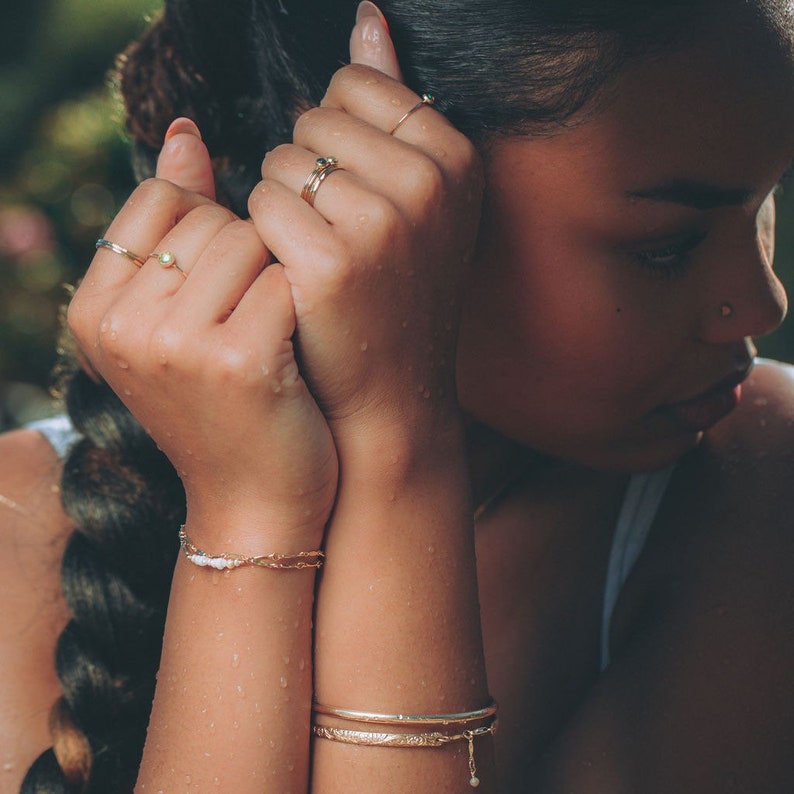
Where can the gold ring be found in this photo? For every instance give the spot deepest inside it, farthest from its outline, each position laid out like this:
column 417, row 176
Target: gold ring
column 168, row 259
column 323, row 167
column 118, row 249
column 427, row 99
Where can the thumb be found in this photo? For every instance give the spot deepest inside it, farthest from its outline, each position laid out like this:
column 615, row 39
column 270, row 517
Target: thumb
column 184, row 159
column 370, row 42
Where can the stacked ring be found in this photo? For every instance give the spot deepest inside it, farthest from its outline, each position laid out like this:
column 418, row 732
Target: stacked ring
column 323, row 167
column 119, row 249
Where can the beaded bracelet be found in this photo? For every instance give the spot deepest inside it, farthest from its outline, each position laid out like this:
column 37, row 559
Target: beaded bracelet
column 296, row 561
column 430, row 739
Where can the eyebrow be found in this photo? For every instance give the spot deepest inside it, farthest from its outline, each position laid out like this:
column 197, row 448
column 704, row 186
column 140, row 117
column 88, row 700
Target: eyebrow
column 698, row 195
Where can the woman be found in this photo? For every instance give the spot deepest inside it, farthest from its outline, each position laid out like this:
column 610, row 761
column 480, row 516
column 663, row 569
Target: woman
column 548, row 330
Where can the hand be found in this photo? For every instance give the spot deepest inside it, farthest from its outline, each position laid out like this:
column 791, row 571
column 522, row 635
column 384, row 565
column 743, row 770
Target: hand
column 205, row 361
column 375, row 267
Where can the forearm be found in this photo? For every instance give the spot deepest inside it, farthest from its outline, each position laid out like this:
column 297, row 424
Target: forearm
column 398, row 619
column 231, row 709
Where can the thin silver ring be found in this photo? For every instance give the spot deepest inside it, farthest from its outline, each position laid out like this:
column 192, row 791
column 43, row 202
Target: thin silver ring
column 427, row 99
column 119, row 249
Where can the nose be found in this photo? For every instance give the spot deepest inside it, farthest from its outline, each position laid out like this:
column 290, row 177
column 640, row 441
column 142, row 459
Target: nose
column 747, row 298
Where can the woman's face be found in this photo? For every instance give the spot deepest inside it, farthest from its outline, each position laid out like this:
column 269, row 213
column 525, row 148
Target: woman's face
column 624, row 263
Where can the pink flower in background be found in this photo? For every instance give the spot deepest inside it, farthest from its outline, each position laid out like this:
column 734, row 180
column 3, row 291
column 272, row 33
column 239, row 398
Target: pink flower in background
column 25, row 231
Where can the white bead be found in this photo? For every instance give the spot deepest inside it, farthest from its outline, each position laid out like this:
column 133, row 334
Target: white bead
column 474, row 782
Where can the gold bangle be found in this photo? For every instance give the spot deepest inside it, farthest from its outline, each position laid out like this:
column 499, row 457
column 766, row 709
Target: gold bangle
column 431, row 739
column 295, row 561
column 460, row 718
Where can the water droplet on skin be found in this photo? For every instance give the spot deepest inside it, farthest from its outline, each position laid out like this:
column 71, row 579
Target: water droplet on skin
column 363, row 346
column 396, row 102
column 216, row 781
column 122, row 364
column 286, row 659
column 431, row 549
column 212, row 727
column 760, row 402
column 302, row 664
column 240, row 691
column 235, row 660
column 363, row 219
column 236, row 725
column 127, row 392
column 276, row 388
column 265, row 370
column 187, row 778
column 282, row 682
column 114, row 334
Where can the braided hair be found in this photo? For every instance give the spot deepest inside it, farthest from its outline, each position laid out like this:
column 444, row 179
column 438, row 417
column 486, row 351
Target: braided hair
column 243, row 70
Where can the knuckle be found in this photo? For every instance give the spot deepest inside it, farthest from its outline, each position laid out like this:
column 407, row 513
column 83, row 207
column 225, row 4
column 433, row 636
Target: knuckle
column 209, row 216
column 283, row 156
column 159, row 191
column 262, row 198
column 239, row 235
column 307, row 122
column 424, row 180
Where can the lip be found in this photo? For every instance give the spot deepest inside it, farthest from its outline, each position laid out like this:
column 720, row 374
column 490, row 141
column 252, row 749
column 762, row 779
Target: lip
column 707, row 408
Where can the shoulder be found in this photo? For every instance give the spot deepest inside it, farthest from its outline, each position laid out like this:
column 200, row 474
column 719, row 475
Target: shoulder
column 33, row 530
column 705, row 634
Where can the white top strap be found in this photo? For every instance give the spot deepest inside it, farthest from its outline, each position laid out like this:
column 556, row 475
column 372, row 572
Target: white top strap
column 58, row 431
column 640, row 504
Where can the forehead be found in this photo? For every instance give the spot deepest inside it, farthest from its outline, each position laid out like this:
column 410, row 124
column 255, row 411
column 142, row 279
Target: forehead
column 715, row 109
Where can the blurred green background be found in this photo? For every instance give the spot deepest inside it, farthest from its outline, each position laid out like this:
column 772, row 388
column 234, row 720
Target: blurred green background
column 64, row 172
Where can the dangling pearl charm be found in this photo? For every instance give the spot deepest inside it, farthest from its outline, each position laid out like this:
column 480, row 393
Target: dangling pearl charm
column 474, row 782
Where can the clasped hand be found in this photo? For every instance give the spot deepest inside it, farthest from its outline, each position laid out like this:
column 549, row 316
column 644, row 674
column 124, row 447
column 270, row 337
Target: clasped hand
column 365, row 283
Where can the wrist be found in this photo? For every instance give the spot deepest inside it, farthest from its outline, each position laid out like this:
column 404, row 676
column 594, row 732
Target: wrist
column 397, row 449
column 251, row 530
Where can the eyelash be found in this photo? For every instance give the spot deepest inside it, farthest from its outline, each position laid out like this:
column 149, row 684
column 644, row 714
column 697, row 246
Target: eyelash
column 673, row 259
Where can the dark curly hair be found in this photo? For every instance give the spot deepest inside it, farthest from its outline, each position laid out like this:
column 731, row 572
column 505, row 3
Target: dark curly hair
column 242, row 69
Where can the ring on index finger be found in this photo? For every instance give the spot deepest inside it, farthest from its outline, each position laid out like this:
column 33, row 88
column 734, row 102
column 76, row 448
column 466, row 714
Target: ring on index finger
column 427, row 99
column 120, row 249
column 323, row 167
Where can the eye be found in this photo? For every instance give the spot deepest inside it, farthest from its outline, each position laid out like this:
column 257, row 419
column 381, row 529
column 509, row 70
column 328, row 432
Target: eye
column 671, row 258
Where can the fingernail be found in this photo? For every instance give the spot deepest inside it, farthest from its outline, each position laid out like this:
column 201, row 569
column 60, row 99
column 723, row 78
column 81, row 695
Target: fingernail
column 182, row 125
column 368, row 9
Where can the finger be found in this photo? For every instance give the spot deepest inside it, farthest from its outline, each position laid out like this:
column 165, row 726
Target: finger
column 341, row 195
column 266, row 310
column 223, row 273
column 384, row 102
column 370, row 42
column 152, row 210
column 298, row 235
column 185, row 160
